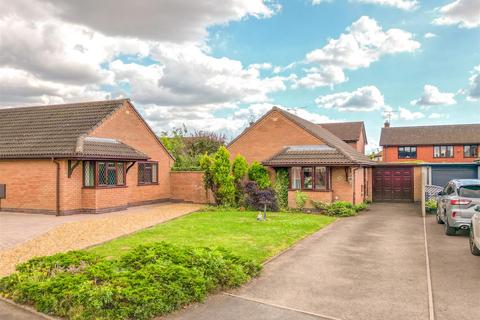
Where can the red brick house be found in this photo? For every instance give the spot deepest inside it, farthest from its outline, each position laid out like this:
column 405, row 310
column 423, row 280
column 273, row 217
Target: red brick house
column 424, row 155
column 81, row 158
column 319, row 163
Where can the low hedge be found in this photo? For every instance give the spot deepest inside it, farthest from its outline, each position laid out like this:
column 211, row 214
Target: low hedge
column 339, row 208
column 149, row 281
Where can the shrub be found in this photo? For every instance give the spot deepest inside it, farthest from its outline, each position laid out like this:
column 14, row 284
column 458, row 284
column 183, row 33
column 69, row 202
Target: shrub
column 341, row 209
column 281, row 187
column 431, row 205
column 255, row 197
column 218, row 177
column 360, row 207
column 300, row 199
column 259, row 174
column 149, row 281
column 239, row 171
column 319, row 205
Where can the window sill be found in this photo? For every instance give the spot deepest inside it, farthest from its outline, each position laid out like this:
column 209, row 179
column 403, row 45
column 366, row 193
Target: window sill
column 104, row 187
column 147, row 184
column 310, row 190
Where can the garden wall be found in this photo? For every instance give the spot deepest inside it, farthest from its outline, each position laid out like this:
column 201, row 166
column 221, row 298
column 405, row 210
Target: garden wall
column 188, row 186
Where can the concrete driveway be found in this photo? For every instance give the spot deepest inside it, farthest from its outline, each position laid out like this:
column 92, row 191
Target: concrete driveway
column 369, row 267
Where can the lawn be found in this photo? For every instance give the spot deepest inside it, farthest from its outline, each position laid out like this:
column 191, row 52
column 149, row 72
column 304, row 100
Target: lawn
column 236, row 231
column 157, row 270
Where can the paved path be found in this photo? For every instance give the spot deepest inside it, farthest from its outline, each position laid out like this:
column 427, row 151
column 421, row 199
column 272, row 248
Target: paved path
column 70, row 234
column 369, row 267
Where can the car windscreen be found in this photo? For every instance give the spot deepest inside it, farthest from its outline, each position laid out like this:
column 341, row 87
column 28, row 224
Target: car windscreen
column 469, row 191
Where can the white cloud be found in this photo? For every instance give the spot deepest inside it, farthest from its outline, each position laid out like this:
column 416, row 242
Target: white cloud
column 429, row 35
column 400, row 4
column 474, row 92
column 167, row 20
column 436, row 115
column 367, row 98
column 19, row 87
column 320, row 77
column 363, row 43
column 465, row 13
column 433, row 97
column 410, row 115
column 187, row 76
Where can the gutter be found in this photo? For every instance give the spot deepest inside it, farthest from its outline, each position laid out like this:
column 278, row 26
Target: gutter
column 57, row 187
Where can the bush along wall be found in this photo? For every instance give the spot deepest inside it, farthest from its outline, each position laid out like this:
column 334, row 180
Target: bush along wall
column 281, row 187
column 149, row 281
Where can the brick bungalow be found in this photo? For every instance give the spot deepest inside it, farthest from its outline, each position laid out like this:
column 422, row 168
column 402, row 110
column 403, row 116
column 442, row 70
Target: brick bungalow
column 81, row 158
column 320, row 163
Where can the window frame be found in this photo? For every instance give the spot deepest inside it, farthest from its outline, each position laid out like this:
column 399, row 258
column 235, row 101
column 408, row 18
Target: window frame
column 96, row 182
column 151, row 163
column 470, row 146
column 302, row 180
column 410, row 151
column 439, row 156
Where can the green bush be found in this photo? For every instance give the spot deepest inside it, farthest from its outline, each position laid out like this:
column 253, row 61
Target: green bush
column 431, row 205
column 360, row 207
column 149, row 281
column 281, row 187
column 218, row 177
column 239, row 171
column 300, row 199
column 319, row 205
column 341, row 209
column 259, row 174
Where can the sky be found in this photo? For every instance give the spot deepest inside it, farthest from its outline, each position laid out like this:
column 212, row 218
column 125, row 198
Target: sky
column 217, row 65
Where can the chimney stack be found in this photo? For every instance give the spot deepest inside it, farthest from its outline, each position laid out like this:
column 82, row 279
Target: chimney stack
column 387, row 124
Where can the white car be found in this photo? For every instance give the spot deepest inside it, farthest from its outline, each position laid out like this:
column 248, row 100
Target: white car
column 475, row 233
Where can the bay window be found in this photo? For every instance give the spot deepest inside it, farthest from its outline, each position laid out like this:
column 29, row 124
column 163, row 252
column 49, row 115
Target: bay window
column 103, row 174
column 309, row 178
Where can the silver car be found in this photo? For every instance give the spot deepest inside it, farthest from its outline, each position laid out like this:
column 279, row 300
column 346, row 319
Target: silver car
column 475, row 233
column 456, row 204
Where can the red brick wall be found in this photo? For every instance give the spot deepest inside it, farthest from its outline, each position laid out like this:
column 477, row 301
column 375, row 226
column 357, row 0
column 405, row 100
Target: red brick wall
column 126, row 126
column 324, row 196
column 425, row 153
column 189, row 186
column 268, row 137
column 31, row 184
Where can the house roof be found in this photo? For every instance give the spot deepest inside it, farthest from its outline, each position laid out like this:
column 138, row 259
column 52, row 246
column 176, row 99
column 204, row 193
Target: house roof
column 429, row 135
column 347, row 131
column 321, row 133
column 104, row 148
column 308, row 155
column 55, row 131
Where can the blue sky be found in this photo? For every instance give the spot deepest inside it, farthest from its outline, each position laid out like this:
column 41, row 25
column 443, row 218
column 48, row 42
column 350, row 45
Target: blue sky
column 217, row 65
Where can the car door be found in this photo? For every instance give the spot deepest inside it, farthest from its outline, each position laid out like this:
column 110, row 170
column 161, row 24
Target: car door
column 445, row 200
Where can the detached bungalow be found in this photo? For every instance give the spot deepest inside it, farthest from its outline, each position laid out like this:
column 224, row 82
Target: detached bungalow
column 320, row 163
column 80, row 158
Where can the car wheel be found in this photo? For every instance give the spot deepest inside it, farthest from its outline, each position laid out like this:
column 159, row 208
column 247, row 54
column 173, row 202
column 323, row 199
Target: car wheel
column 473, row 248
column 449, row 231
column 439, row 220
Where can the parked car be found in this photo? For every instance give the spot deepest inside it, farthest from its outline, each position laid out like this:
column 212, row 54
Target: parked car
column 475, row 233
column 456, row 204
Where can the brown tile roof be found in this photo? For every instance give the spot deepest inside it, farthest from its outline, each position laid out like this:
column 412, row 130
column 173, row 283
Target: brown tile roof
column 347, row 131
column 428, row 135
column 321, row 133
column 104, row 148
column 51, row 131
column 308, row 155
column 329, row 138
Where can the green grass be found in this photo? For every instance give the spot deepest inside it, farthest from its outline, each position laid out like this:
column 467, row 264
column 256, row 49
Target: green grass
column 236, row 231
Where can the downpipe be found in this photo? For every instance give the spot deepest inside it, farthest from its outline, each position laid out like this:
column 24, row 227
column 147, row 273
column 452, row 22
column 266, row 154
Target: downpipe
column 57, row 187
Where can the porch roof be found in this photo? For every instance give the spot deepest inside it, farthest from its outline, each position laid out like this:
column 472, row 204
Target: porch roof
column 308, row 155
column 105, row 148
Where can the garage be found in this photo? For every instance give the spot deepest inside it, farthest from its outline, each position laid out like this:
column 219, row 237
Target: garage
column 392, row 183
column 441, row 174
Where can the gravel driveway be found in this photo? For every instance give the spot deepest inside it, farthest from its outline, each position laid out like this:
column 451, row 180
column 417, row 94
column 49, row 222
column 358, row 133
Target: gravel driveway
column 26, row 236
